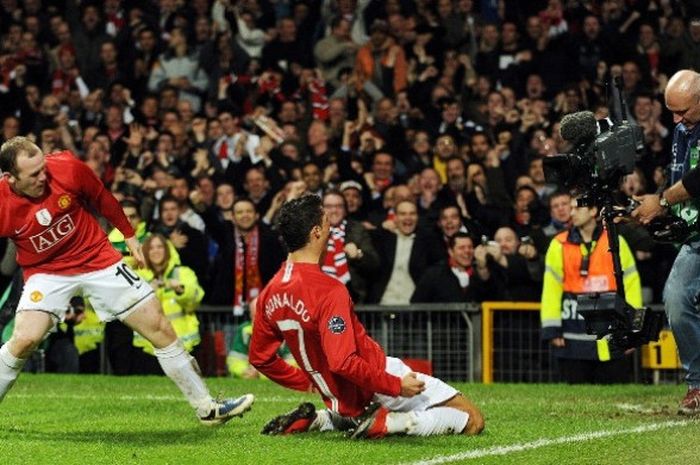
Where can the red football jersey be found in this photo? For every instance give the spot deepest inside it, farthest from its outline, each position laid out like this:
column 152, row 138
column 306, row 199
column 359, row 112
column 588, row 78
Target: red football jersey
column 55, row 233
column 313, row 313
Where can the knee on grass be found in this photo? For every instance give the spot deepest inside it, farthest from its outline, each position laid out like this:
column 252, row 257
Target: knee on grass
column 476, row 422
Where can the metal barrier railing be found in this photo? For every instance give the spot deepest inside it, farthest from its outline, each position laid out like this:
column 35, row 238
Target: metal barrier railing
column 512, row 349
column 442, row 334
column 493, row 342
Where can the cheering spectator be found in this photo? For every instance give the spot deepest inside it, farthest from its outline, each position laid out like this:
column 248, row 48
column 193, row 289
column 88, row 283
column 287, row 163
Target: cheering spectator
column 390, row 74
column 336, row 51
column 179, row 292
column 179, row 68
column 467, row 276
column 351, row 257
column 249, row 255
column 191, row 244
column 286, row 49
column 405, row 255
column 521, row 265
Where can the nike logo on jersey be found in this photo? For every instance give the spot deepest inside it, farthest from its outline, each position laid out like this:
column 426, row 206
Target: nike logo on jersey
column 18, row 231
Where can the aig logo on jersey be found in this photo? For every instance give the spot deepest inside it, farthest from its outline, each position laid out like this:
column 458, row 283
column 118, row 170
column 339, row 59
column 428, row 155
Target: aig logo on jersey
column 63, row 228
column 43, row 217
column 336, row 325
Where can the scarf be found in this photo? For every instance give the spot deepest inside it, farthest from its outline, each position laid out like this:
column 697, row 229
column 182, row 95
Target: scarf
column 247, row 281
column 462, row 275
column 319, row 99
column 335, row 263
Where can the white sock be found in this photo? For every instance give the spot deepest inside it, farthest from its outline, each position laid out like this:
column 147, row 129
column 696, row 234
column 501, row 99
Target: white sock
column 322, row 422
column 182, row 368
column 438, row 420
column 400, row 422
column 10, row 367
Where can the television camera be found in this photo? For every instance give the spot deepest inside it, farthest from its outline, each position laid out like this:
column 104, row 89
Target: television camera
column 603, row 152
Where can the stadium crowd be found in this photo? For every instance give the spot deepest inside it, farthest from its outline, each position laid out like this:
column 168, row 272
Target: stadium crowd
column 422, row 124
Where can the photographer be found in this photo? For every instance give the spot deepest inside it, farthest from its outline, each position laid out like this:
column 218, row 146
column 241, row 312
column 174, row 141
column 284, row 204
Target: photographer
column 521, row 265
column 578, row 262
column 683, row 199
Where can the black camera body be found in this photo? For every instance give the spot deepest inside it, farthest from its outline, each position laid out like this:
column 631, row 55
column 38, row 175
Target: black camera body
column 617, row 150
column 602, row 155
column 598, row 161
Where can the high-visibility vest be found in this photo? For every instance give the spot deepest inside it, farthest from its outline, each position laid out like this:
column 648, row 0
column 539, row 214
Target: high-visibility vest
column 179, row 309
column 90, row 332
column 601, row 274
column 563, row 281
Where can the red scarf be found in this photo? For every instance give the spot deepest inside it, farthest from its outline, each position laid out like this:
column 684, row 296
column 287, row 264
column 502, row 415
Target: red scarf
column 381, row 184
column 319, row 99
column 61, row 81
column 335, row 263
column 253, row 281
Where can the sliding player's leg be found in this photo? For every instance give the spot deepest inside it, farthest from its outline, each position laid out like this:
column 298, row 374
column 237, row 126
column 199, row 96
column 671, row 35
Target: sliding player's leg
column 306, row 418
column 440, row 409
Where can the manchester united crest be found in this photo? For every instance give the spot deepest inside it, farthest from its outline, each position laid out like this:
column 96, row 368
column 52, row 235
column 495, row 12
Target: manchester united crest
column 64, row 201
column 36, row 296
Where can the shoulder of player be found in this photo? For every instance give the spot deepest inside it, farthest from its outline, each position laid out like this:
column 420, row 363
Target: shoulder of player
column 63, row 155
column 323, row 280
column 319, row 283
column 330, row 290
column 56, row 162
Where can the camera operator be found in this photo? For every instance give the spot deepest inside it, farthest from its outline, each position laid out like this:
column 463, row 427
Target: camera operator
column 578, row 262
column 683, row 198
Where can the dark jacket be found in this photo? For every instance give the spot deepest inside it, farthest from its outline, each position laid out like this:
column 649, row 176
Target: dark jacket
column 426, row 251
column 361, row 269
column 523, row 278
column 439, row 284
column 221, row 285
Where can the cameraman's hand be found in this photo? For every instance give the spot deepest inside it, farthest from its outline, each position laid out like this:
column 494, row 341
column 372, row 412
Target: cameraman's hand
column 648, row 209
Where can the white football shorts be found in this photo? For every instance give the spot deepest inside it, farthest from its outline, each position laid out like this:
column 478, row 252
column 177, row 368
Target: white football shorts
column 114, row 292
column 436, row 390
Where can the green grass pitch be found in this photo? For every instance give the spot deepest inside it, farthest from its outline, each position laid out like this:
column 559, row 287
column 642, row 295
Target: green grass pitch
column 65, row 419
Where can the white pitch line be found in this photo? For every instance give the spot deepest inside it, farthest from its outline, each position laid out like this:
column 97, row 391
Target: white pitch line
column 160, row 398
column 544, row 442
column 635, row 408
